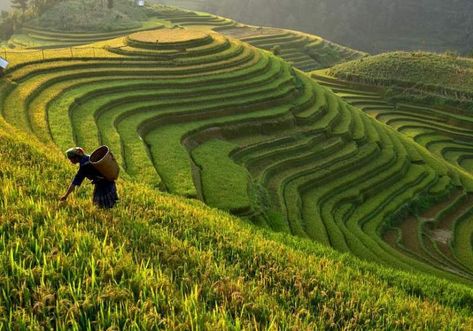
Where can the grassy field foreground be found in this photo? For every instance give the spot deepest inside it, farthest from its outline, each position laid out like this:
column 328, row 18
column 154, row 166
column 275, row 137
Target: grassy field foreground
column 158, row 261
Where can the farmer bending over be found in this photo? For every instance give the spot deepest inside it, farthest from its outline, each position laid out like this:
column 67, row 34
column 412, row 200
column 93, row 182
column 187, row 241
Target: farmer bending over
column 105, row 192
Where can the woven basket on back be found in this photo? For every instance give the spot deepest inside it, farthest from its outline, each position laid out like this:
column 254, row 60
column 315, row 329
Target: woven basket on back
column 104, row 161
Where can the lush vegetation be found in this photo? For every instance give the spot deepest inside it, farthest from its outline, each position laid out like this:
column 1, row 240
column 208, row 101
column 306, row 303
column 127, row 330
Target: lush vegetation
column 433, row 77
column 176, row 105
column 41, row 33
column 79, row 15
column 161, row 262
column 306, row 52
column 202, row 115
column 16, row 12
column 446, row 133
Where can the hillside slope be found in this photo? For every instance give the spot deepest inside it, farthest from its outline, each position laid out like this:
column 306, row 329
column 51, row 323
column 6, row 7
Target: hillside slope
column 444, row 130
column 371, row 26
column 158, row 261
column 428, row 97
column 205, row 116
column 306, row 52
column 49, row 31
column 442, row 75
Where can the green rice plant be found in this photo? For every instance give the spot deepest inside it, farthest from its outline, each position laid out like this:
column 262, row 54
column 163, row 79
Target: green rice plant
column 300, row 205
column 436, row 74
column 259, row 161
column 346, row 124
column 325, row 174
column 174, row 166
column 289, row 165
column 205, row 100
column 426, row 125
column 123, row 265
column 224, row 183
column 36, row 108
column 462, row 243
column 328, row 196
column 35, row 36
column 296, row 47
column 157, row 253
column 296, row 170
column 372, row 228
column 317, row 110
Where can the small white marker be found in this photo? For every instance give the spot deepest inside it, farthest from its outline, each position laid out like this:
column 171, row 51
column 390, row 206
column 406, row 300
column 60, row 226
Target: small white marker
column 3, row 63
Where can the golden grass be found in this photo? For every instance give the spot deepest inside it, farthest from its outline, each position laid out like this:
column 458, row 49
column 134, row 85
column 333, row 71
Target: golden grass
column 168, row 36
column 24, row 56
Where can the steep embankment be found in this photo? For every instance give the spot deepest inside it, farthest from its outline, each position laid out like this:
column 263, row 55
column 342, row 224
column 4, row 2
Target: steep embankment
column 159, row 261
column 372, row 26
column 201, row 115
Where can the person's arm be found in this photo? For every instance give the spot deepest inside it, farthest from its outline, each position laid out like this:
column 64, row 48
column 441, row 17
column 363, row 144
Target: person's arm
column 78, row 179
column 71, row 189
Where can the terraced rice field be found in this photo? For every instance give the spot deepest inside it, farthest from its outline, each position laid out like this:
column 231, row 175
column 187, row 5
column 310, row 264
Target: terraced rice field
column 305, row 52
column 184, row 17
column 205, row 116
column 435, row 233
column 446, row 132
column 34, row 37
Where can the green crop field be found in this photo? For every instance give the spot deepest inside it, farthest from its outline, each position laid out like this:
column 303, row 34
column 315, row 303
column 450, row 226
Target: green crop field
column 158, row 261
column 34, row 35
column 445, row 131
column 306, row 52
column 176, row 105
column 354, row 212
column 418, row 76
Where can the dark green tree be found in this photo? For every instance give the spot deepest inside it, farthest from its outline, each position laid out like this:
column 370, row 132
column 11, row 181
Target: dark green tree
column 110, row 4
column 7, row 25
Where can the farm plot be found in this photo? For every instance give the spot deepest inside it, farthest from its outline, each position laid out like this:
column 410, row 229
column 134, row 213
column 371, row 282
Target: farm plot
column 182, row 17
column 205, row 116
column 306, row 52
column 445, row 132
column 432, row 235
column 35, row 37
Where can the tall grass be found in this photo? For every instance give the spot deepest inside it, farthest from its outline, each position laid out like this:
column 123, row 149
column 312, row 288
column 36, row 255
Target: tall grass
column 161, row 262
